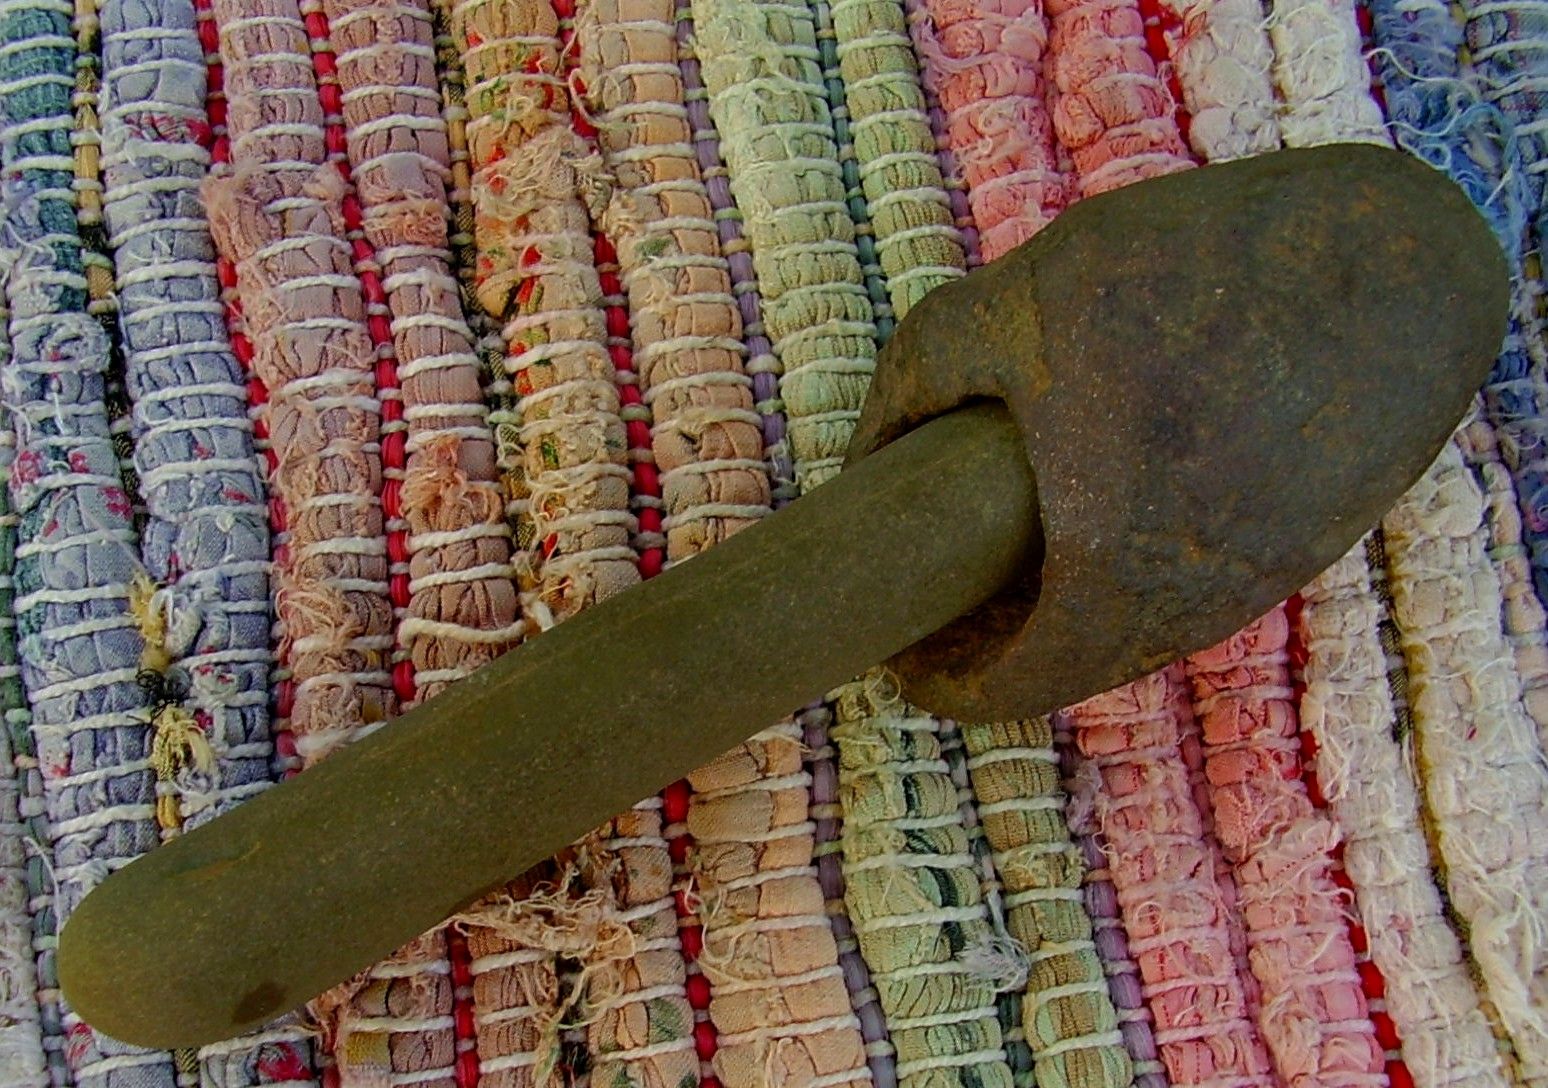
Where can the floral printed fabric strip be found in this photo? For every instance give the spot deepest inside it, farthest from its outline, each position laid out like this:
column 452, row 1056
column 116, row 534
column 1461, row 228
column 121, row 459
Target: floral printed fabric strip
column 76, row 637
column 497, row 393
column 536, row 273
column 562, row 444
column 642, row 1025
column 28, row 885
column 23, row 1058
column 463, row 248
column 206, row 618
column 206, row 540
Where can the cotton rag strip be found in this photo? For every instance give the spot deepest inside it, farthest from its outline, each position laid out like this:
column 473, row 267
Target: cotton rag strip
column 77, row 556
column 849, row 169
column 1009, row 1001
column 917, row 242
column 23, row 1053
column 1447, row 605
column 1363, row 768
column 1437, row 113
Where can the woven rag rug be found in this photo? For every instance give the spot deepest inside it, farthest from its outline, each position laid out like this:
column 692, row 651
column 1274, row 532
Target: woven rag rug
column 349, row 343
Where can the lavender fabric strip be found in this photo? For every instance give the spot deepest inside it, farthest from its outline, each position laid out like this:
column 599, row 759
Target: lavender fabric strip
column 22, row 1054
column 79, row 646
column 206, row 540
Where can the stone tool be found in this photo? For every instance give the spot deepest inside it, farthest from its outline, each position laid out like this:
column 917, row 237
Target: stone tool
column 1120, row 443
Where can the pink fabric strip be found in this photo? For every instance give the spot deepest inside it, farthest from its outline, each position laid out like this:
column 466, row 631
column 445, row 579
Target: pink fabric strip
column 1135, row 1019
column 279, row 216
column 1314, row 1016
column 918, row 19
column 1110, row 109
column 982, row 60
column 1193, row 758
column 1172, row 904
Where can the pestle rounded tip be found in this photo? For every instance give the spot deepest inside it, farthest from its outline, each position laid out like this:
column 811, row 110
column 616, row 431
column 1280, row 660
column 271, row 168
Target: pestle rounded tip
column 94, row 977
column 146, row 959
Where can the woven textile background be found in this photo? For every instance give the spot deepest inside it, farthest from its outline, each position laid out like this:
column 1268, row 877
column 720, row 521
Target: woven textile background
column 347, row 344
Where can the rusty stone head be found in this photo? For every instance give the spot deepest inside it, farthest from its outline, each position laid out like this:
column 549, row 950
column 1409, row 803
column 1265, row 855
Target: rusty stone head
column 1219, row 388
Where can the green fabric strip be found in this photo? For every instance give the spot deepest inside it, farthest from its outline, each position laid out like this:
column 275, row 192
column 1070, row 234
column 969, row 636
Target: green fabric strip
column 1009, row 1001
column 917, row 244
column 1070, row 1021
column 854, row 192
column 762, row 66
column 914, row 893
